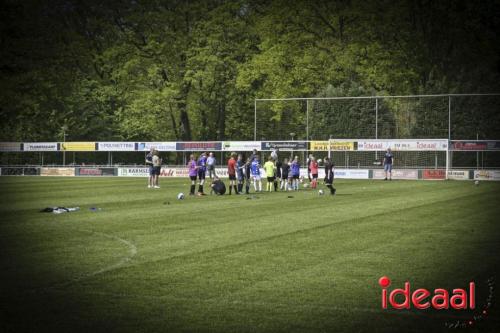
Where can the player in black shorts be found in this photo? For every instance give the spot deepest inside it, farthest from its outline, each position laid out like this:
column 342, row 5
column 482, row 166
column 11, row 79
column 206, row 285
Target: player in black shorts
column 202, row 169
column 278, row 173
column 248, row 175
column 285, row 169
column 329, row 175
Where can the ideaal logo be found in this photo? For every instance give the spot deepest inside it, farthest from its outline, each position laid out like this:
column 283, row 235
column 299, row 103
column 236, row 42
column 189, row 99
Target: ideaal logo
column 439, row 299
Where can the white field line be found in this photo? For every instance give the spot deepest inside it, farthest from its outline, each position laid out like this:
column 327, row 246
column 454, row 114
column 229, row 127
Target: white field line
column 132, row 251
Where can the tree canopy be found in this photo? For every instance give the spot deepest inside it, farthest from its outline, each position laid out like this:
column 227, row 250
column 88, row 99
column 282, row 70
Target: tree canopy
column 190, row 70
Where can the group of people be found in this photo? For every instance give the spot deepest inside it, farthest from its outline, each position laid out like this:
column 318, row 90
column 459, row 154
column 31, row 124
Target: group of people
column 153, row 161
column 246, row 173
column 284, row 175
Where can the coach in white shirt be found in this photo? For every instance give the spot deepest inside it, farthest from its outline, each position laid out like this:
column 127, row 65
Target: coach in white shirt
column 211, row 165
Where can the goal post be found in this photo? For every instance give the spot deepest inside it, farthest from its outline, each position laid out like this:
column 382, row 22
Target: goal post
column 426, row 158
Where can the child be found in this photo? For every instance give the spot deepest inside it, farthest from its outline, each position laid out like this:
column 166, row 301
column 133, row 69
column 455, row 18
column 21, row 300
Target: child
column 248, row 173
column 329, row 175
column 270, row 170
column 240, row 172
column 314, row 172
column 193, row 171
column 202, row 169
column 277, row 177
column 255, row 169
column 284, row 175
column 231, row 171
column 295, row 170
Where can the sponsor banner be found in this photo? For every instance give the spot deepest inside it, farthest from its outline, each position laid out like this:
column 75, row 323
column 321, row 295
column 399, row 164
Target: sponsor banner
column 458, row 174
column 350, row 174
column 284, row 145
column 95, row 171
column 199, row 146
column 342, row 145
column 241, row 145
column 318, row 145
column 15, row 171
column 31, row 171
column 434, row 174
column 133, row 172
column 10, row 146
column 333, row 145
column 403, row 145
column 396, row 174
column 476, row 145
column 78, row 146
column 7, row 171
column 40, row 146
column 116, row 146
column 160, row 146
column 487, row 174
column 57, row 171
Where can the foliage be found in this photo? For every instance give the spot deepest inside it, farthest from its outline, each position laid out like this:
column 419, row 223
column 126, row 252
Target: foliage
column 185, row 70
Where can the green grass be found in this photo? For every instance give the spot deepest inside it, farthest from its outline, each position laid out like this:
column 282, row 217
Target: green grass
column 282, row 262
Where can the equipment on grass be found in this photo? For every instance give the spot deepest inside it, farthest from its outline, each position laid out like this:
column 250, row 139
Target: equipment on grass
column 476, row 182
column 59, row 210
column 180, row 196
column 320, row 192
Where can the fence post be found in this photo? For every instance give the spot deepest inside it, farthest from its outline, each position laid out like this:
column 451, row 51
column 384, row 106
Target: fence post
column 449, row 117
column 307, row 119
column 255, row 120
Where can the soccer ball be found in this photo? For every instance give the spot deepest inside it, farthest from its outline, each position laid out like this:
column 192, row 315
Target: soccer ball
column 476, row 182
column 320, row 192
column 306, row 185
column 180, row 196
column 319, row 160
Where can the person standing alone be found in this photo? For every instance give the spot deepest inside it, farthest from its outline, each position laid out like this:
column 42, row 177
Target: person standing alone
column 388, row 161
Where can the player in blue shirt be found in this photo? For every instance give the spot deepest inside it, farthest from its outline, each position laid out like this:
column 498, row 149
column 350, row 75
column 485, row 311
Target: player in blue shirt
column 202, row 169
column 295, row 170
column 255, row 170
column 388, row 160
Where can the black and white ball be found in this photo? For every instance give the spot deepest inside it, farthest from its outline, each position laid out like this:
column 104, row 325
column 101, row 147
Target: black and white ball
column 180, row 196
column 320, row 192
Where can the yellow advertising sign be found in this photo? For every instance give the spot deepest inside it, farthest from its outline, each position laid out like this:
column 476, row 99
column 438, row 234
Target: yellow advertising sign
column 342, row 145
column 78, row 146
column 319, row 145
column 334, row 145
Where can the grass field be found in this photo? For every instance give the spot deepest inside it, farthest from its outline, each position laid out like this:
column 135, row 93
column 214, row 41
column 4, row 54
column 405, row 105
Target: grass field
column 279, row 262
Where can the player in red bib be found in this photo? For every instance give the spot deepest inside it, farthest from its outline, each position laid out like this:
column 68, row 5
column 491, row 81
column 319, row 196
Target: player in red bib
column 314, row 172
column 231, row 171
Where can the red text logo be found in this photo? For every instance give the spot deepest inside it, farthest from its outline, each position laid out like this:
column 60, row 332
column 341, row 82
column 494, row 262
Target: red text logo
column 404, row 298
